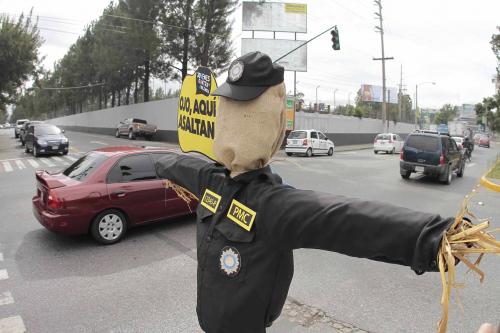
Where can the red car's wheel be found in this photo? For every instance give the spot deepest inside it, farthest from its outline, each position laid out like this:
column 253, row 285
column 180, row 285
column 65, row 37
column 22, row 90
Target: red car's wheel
column 109, row 227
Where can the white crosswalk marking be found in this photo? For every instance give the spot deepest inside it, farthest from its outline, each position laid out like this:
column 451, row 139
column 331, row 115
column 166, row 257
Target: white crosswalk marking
column 7, row 167
column 33, row 163
column 16, row 164
column 3, row 276
column 20, row 164
column 60, row 160
column 47, row 162
column 12, row 325
column 6, row 298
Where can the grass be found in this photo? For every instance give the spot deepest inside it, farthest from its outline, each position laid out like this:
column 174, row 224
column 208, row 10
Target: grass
column 495, row 172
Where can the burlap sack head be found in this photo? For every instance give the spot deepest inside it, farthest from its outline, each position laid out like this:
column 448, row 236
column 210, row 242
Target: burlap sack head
column 248, row 133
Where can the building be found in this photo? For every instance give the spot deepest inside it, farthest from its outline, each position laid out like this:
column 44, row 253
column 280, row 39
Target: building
column 467, row 113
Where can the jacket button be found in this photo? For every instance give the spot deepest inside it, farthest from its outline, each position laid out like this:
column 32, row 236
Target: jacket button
column 209, row 238
column 433, row 264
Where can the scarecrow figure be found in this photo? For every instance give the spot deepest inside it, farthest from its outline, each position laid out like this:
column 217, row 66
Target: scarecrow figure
column 249, row 222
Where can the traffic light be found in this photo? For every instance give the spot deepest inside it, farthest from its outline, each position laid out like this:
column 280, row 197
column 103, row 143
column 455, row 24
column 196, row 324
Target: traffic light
column 335, row 39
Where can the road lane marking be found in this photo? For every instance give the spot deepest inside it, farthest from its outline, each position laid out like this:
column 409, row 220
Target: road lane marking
column 7, row 167
column 74, row 149
column 20, row 164
column 99, row 143
column 470, row 165
column 72, row 159
column 3, row 276
column 58, row 159
column 47, row 162
column 6, row 298
column 33, row 163
column 12, row 325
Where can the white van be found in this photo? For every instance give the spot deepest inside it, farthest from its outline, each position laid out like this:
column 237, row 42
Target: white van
column 309, row 143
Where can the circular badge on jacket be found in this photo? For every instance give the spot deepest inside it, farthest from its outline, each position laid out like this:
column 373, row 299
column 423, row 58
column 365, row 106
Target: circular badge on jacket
column 230, row 261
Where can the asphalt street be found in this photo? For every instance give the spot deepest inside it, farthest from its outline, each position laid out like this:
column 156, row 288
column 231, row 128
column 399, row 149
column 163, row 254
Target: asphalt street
column 147, row 282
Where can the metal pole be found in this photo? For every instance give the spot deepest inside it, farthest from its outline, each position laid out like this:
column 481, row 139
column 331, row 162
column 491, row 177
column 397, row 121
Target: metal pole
column 416, row 104
column 334, row 103
column 316, row 107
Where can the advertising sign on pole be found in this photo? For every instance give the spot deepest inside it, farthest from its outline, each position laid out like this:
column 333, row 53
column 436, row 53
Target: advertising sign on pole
column 274, row 16
column 275, row 48
column 371, row 93
column 196, row 113
column 290, row 113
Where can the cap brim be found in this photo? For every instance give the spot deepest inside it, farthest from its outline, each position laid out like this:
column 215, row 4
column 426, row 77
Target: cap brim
column 239, row 93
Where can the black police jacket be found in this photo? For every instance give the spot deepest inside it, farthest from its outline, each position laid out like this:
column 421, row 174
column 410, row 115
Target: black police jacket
column 247, row 227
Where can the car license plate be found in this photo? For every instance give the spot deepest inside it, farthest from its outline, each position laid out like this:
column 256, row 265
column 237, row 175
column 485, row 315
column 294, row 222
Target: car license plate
column 419, row 169
column 55, row 147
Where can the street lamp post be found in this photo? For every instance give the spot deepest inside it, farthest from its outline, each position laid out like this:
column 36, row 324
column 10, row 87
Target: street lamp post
column 316, row 107
column 416, row 98
column 334, row 92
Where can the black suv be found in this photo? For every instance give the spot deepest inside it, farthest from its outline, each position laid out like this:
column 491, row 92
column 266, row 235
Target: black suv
column 432, row 154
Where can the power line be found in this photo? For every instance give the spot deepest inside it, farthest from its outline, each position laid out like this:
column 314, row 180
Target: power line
column 77, row 87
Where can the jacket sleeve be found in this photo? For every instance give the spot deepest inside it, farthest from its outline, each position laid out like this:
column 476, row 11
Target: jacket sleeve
column 364, row 229
column 186, row 171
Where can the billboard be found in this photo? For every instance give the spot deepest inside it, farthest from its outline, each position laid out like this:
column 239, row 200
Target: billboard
column 274, row 16
column 371, row 93
column 275, row 48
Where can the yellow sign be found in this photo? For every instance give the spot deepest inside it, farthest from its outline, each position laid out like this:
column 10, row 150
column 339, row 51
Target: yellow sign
column 210, row 200
column 290, row 113
column 196, row 113
column 241, row 215
column 298, row 8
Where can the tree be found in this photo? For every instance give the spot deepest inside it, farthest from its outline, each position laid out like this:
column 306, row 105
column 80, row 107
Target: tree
column 495, row 46
column 213, row 35
column 18, row 54
column 446, row 114
column 195, row 33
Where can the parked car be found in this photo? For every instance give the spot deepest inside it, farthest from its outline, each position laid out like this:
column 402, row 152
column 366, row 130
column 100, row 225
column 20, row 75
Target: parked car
column 309, row 143
column 389, row 142
column 106, row 192
column 431, row 154
column 17, row 128
column 484, row 141
column 459, row 141
column 24, row 130
column 46, row 139
column 133, row 127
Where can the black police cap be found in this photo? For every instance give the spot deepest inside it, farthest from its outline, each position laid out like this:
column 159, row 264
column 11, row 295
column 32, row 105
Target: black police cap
column 249, row 76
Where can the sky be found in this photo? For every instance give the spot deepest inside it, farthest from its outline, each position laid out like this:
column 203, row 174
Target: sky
column 445, row 41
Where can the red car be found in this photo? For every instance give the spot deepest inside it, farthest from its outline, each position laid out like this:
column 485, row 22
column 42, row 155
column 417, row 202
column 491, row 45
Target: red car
column 484, row 141
column 106, row 192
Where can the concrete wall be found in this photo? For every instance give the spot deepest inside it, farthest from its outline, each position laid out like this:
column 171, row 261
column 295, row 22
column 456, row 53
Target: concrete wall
column 341, row 129
column 161, row 113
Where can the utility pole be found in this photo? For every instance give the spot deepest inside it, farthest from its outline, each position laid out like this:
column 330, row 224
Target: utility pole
column 380, row 29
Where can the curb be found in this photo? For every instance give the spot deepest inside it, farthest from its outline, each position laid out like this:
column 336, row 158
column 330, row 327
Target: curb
column 489, row 184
